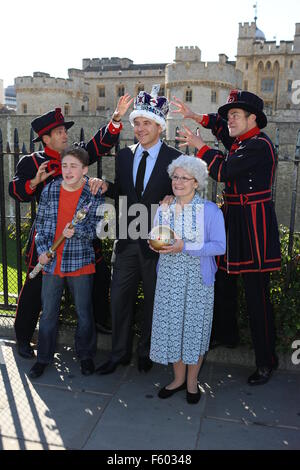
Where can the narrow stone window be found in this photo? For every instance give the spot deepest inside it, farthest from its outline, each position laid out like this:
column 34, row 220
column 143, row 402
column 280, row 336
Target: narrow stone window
column 213, row 96
column 101, row 92
column 120, row 90
column 189, row 95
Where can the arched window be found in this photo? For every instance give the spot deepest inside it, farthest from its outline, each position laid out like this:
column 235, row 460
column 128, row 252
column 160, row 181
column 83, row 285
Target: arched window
column 260, row 67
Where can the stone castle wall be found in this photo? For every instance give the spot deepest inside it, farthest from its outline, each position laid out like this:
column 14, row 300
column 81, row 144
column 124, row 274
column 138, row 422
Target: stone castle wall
column 202, row 79
column 287, row 131
column 257, row 60
column 1, row 93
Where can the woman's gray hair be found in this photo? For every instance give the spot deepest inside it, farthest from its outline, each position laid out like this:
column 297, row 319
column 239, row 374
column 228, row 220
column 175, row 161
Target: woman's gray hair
column 194, row 166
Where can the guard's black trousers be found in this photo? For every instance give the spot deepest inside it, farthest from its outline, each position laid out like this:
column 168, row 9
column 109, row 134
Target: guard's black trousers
column 260, row 312
column 30, row 305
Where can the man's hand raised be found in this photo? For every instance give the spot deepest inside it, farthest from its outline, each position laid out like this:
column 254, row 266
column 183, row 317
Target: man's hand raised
column 122, row 107
column 41, row 175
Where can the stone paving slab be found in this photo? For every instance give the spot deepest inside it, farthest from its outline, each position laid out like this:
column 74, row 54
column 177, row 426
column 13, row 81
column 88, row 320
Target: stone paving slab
column 137, row 419
column 65, row 371
column 48, row 411
column 8, row 443
column 225, row 435
column 275, row 403
column 121, row 411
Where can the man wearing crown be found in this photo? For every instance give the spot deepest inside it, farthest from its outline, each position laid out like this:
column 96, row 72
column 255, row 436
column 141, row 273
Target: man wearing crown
column 141, row 177
column 253, row 247
column 32, row 174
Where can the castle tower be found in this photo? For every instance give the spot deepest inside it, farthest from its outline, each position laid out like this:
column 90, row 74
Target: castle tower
column 297, row 39
column 268, row 68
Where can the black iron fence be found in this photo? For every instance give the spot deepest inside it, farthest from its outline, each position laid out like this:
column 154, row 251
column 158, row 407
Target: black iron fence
column 16, row 217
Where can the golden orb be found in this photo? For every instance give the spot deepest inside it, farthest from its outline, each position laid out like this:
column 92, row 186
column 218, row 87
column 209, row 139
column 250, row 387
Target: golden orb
column 160, row 236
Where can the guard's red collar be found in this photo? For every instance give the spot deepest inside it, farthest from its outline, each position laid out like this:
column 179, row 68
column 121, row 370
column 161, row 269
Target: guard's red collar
column 248, row 135
column 52, row 153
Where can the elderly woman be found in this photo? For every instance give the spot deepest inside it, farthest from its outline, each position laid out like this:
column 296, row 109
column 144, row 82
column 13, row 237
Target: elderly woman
column 183, row 306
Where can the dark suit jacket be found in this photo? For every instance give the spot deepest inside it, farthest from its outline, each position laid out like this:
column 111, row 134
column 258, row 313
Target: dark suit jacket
column 159, row 185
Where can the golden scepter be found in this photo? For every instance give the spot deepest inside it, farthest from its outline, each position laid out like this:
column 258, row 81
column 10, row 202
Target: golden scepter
column 79, row 216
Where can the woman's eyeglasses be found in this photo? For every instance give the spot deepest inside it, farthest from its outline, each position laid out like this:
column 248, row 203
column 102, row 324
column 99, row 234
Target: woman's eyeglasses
column 184, row 179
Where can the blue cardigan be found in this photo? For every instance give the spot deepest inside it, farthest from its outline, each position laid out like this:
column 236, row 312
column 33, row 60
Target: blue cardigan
column 214, row 240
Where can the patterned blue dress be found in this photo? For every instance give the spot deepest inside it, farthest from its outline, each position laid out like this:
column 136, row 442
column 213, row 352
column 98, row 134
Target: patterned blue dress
column 183, row 305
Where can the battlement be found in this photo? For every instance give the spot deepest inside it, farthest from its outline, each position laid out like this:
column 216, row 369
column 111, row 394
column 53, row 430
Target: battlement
column 41, row 74
column 247, row 30
column 188, row 54
column 270, row 47
column 43, row 81
column 106, row 62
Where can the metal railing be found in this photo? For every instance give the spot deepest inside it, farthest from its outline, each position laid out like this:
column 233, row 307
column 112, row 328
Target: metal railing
column 12, row 279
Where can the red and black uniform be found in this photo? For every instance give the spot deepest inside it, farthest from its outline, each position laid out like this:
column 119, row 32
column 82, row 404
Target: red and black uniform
column 253, row 246
column 29, row 302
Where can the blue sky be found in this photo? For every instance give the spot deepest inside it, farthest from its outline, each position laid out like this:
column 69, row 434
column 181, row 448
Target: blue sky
column 56, row 35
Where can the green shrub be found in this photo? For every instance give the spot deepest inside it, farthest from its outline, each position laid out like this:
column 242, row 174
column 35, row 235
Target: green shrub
column 285, row 299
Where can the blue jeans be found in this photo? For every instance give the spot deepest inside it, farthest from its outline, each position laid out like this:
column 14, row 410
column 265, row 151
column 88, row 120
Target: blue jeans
column 85, row 335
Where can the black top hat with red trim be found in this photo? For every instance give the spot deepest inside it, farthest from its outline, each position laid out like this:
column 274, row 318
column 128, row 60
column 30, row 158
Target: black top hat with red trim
column 247, row 101
column 44, row 124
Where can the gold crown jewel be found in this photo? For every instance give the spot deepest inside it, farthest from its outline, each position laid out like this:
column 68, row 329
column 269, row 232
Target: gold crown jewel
column 160, row 236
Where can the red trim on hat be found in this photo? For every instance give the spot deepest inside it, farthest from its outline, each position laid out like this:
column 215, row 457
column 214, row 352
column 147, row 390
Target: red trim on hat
column 51, row 126
column 233, row 96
